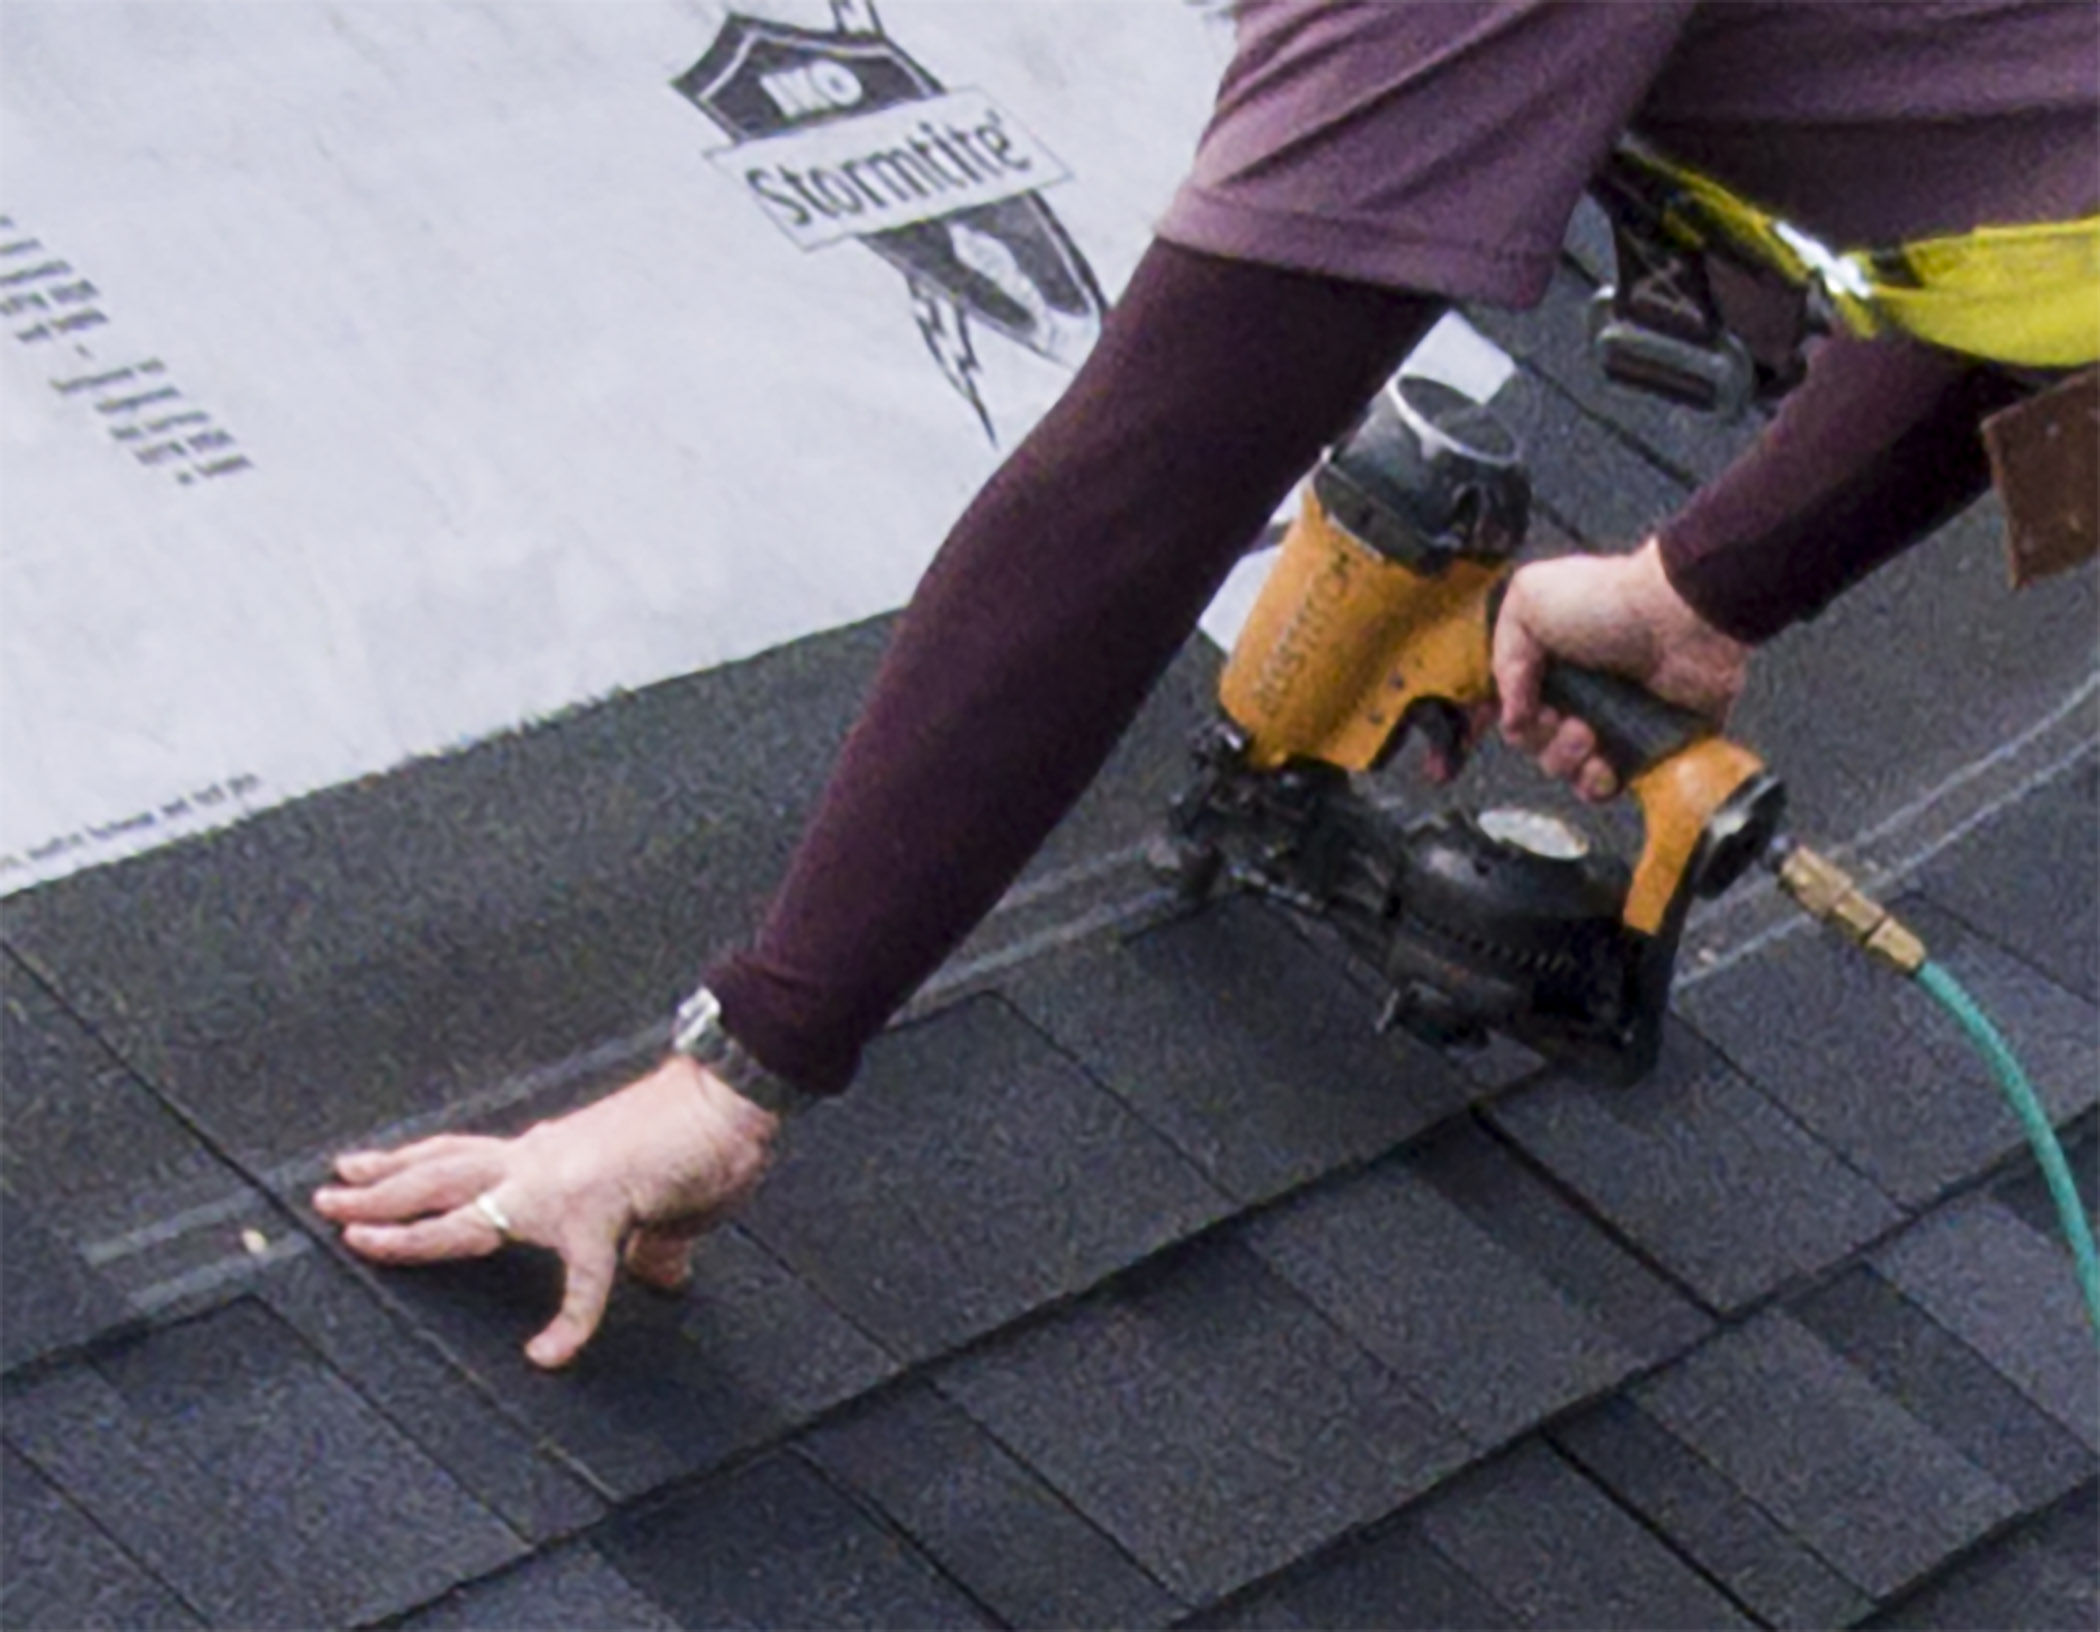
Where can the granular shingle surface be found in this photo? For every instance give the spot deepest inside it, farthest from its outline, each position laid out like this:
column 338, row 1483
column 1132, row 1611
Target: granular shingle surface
column 777, row 1545
column 984, row 1176
column 1490, row 1336
column 1209, row 1419
column 1235, row 1039
column 985, row 1517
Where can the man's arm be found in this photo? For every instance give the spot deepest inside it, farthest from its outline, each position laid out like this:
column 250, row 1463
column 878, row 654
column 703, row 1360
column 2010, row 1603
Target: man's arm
column 1877, row 448
column 1061, row 595
column 1054, row 605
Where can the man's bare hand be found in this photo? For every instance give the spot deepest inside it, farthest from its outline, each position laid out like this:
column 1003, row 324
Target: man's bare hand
column 643, row 1171
column 1611, row 612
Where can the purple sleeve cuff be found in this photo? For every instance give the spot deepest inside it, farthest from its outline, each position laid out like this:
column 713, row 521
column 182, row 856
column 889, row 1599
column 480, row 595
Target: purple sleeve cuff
column 1876, row 449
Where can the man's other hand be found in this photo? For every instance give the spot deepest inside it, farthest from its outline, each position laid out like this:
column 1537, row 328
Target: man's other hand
column 642, row 1171
column 1611, row 612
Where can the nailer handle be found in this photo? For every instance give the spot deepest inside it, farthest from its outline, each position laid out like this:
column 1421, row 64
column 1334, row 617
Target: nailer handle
column 1635, row 728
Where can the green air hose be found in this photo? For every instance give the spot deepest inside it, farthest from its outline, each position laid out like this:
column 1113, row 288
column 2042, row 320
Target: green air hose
column 1824, row 892
column 2027, row 1105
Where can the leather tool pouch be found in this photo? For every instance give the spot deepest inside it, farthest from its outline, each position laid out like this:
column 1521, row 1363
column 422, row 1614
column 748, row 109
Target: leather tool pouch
column 2045, row 462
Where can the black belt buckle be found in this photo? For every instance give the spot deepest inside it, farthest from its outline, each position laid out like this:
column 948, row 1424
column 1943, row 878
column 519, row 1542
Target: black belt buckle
column 1713, row 373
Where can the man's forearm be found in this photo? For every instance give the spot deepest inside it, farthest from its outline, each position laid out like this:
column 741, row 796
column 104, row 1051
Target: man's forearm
column 1875, row 449
column 1054, row 605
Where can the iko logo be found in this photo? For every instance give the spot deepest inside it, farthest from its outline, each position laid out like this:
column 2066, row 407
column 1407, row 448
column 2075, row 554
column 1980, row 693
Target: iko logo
column 818, row 88
column 838, row 134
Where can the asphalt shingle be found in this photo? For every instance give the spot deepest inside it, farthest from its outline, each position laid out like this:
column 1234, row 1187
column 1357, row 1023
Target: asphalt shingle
column 375, row 953
column 1207, row 1418
column 2026, row 1193
column 409, row 1379
column 87, row 1144
column 984, row 1517
column 1713, row 1180
column 776, row 1545
column 1854, row 709
column 561, row 1588
column 49, row 1299
column 1559, row 1553
column 251, row 1479
column 1492, row 1336
column 2012, row 1295
column 973, row 1175
column 1235, row 1039
column 1845, row 1468
column 2028, row 878
column 1692, row 1504
column 1387, row 1580
column 60, row 1573
column 445, row 1011
column 1584, row 478
column 1875, row 1068
column 1947, row 1385
column 672, row 1385
column 111, row 1201
column 2042, row 1577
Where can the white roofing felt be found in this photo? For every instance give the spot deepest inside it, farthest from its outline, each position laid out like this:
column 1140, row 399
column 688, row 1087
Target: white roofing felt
column 378, row 377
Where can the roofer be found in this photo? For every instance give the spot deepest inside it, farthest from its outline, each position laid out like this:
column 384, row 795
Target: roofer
column 1366, row 166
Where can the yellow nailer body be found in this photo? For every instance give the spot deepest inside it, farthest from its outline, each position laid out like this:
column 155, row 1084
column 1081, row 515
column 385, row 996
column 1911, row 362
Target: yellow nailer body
column 1377, row 619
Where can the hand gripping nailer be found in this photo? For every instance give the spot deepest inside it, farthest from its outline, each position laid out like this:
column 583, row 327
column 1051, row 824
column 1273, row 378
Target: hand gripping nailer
column 1376, row 621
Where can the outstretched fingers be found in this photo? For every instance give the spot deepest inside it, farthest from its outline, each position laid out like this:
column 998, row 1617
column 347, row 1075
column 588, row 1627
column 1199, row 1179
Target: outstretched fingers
column 434, row 1186
column 462, row 1233
column 371, row 1166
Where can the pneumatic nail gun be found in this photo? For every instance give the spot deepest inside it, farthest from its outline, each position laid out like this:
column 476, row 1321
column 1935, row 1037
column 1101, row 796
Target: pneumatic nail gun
column 1376, row 623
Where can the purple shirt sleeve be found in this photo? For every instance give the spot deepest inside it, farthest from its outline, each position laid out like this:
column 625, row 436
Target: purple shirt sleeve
column 1876, row 448
column 1059, row 598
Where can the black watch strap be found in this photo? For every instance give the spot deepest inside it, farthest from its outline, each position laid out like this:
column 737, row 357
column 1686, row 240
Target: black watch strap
column 698, row 1033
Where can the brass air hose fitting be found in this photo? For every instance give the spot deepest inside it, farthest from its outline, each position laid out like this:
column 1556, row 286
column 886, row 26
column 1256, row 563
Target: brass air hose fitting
column 1825, row 891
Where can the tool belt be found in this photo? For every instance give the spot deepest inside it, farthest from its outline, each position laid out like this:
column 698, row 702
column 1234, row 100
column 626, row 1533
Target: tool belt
column 2021, row 297
column 2026, row 295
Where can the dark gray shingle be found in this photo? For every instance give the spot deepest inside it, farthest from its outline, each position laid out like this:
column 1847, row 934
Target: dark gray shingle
column 973, row 1175
column 1713, row 1180
column 984, row 1517
column 775, row 1545
column 673, row 1384
column 60, row 1573
column 2010, row 1294
column 1560, row 1553
column 251, row 1479
column 1878, row 1070
column 554, row 1590
column 1239, row 1043
column 1845, row 1468
column 1207, row 1418
column 1489, row 1334
column 1691, row 1503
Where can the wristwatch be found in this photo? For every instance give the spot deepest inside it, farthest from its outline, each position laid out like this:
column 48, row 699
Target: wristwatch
column 698, row 1033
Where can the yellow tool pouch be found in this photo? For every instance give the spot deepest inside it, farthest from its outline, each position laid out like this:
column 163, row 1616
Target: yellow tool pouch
column 2027, row 296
